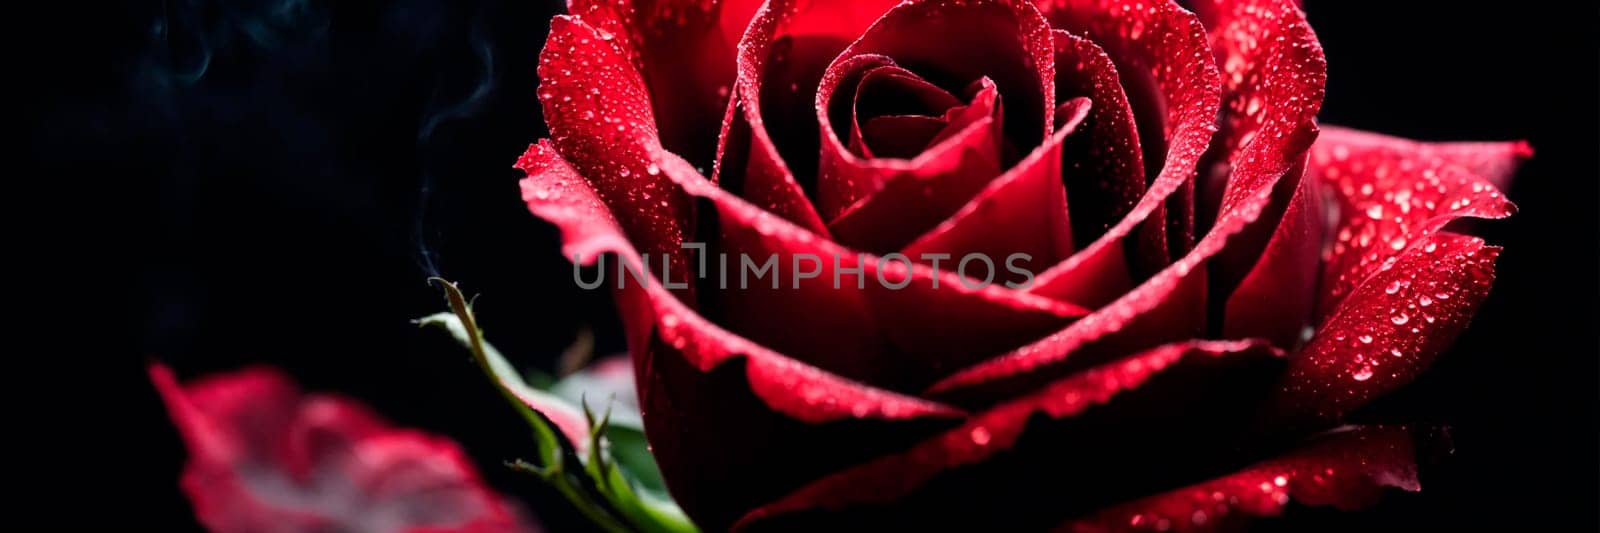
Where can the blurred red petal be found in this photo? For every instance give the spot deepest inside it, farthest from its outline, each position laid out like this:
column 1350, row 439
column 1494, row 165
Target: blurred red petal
column 265, row 458
column 1345, row 469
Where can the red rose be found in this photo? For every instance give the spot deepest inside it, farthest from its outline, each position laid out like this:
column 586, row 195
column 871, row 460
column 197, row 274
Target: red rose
column 265, row 458
column 1208, row 286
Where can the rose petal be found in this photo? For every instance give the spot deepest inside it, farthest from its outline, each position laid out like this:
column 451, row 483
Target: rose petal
column 705, row 386
column 878, row 205
column 781, row 58
column 1170, row 304
column 1271, row 64
column 1389, row 328
column 684, row 51
column 759, row 177
column 889, row 92
column 1101, row 166
column 600, row 119
column 1388, row 193
column 896, row 136
column 1173, row 90
column 1022, row 315
column 1495, row 162
column 1345, row 469
column 554, row 192
column 1029, row 195
column 988, row 449
column 1276, row 297
column 863, row 317
column 265, row 458
column 1002, row 40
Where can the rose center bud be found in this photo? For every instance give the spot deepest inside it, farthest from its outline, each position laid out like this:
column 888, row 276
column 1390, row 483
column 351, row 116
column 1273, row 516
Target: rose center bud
column 897, row 114
column 912, row 124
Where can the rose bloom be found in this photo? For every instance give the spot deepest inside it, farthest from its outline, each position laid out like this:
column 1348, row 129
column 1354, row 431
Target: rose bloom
column 1214, row 281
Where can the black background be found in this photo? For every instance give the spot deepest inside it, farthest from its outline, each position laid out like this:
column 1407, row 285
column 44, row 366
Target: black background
column 285, row 203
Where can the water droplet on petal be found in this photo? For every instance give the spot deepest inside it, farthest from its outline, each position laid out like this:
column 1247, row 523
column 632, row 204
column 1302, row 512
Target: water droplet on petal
column 980, row 436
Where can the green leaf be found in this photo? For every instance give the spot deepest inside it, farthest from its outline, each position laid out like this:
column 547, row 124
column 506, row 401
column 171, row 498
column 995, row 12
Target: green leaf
column 594, row 480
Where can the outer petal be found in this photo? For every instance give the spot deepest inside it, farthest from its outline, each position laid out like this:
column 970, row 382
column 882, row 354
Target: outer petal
column 600, row 119
column 1389, row 329
column 701, row 385
column 265, row 458
column 684, row 51
column 1495, row 162
column 1189, row 385
column 1389, row 192
column 1345, row 469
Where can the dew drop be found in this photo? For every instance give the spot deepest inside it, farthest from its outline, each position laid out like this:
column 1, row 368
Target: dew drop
column 980, row 436
column 1400, row 319
column 1362, row 374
